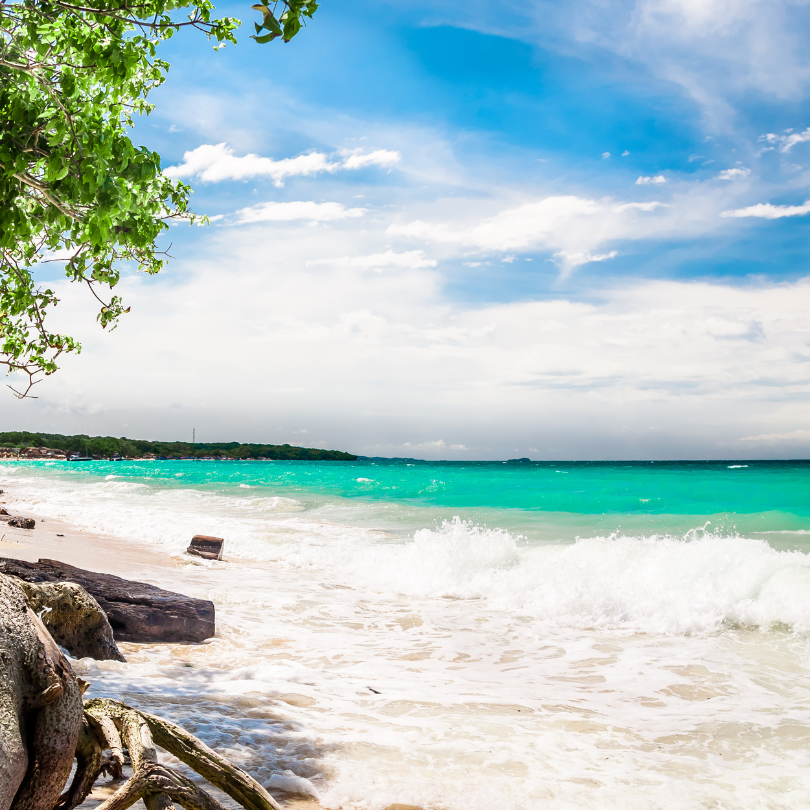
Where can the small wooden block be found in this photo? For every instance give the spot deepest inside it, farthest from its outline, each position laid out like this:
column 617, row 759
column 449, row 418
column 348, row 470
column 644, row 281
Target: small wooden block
column 209, row 548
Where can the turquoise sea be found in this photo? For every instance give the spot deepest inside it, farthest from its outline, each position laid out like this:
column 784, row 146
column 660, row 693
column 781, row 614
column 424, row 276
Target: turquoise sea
column 542, row 500
column 471, row 635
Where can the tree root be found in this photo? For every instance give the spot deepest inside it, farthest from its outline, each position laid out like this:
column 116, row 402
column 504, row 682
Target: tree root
column 111, row 725
column 44, row 725
column 89, row 765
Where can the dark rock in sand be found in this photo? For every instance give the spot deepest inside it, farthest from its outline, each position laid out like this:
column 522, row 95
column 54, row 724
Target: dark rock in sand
column 22, row 522
column 209, row 548
column 136, row 611
column 3, row 511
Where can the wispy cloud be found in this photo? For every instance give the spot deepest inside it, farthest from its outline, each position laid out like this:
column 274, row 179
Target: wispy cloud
column 569, row 261
column 795, row 435
column 787, row 141
column 357, row 160
column 635, row 206
column 411, row 259
column 291, row 211
column 654, row 180
column 436, row 445
column 213, row 163
column 768, row 211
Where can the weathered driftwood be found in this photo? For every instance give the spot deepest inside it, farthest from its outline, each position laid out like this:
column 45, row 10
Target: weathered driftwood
column 121, row 726
column 40, row 707
column 136, row 611
column 209, row 548
column 74, row 619
column 43, row 726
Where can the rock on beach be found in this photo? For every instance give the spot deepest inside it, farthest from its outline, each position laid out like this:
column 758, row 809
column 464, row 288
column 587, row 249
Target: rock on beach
column 136, row 611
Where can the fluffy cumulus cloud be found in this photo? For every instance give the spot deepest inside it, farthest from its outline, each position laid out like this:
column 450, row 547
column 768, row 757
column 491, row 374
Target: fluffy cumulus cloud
column 653, row 180
column 213, row 163
column 576, row 230
column 640, row 368
column 733, row 174
column 768, row 211
column 525, row 226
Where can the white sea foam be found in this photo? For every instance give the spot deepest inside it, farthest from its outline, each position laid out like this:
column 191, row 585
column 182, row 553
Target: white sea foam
column 654, row 584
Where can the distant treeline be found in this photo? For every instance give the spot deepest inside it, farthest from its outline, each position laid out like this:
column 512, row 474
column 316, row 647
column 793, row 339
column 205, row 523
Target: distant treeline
column 106, row 446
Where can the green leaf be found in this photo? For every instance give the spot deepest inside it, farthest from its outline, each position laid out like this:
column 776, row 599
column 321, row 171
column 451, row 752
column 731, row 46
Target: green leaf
column 66, row 123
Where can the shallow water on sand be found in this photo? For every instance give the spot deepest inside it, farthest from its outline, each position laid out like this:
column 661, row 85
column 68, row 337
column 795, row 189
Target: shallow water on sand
column 471, row 636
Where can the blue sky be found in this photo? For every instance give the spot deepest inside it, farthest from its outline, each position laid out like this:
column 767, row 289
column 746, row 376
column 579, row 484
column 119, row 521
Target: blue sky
column 470, row 230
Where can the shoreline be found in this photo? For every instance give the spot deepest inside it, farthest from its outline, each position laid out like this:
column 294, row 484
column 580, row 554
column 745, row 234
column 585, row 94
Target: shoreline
column 457, row 668
column 107, row 554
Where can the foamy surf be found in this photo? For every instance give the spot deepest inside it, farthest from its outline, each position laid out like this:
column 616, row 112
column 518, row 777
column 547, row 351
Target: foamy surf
column 462, row 665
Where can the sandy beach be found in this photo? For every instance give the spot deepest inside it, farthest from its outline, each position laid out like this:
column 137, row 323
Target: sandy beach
column 58, row 540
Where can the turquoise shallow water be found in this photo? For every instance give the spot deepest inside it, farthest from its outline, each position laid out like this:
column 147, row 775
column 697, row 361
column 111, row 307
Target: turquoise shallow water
column 538, row 500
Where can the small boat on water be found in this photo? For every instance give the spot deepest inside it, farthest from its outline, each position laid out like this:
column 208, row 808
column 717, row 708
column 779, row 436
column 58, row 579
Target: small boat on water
column 77, row 457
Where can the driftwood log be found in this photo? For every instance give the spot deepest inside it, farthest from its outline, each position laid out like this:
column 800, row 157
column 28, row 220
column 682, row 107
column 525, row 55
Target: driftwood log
column 44, row 726
column 209, row 548
column 136, row 611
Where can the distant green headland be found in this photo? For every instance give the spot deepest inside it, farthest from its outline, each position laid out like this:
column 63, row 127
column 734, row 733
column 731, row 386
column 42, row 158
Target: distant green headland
column 108, row 446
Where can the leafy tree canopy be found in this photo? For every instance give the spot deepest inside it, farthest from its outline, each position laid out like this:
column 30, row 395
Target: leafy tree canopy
column 73, row 186
column 106, row 446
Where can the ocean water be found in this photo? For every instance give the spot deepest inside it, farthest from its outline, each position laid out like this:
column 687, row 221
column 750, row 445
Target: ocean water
column 476, row 635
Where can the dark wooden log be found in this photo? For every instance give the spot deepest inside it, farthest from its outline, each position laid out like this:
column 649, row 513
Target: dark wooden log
column 209, row 548
column 136, row 611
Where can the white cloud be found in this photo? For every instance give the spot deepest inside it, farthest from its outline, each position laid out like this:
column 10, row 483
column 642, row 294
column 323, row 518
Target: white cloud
column 433, row 446
column 390, row 359
column 560, row 224
column 605, row 155
column 511, row 229
column 768, row 211
column 569, row 261
column 645, row 206
column 733, row 174
column 787, row 141
column 655, row 180
column 291, row 211
column 382, row 157
column 214, row 163
column 717, row 50
column 412, row 259
column 795, row 435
